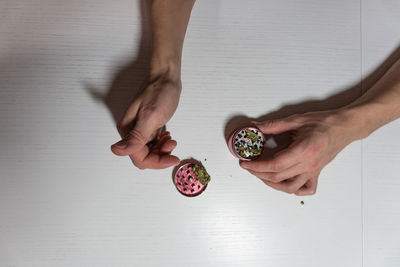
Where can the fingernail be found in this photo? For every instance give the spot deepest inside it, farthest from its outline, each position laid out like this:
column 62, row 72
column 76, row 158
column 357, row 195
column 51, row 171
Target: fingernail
column 121, row 144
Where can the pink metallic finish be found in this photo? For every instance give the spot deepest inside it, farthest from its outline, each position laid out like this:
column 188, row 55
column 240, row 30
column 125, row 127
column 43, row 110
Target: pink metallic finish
column 186, row 181
column 231, row 142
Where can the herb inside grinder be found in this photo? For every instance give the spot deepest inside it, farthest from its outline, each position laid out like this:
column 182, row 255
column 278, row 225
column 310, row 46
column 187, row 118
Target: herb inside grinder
column 201, row 174
column 249, row 143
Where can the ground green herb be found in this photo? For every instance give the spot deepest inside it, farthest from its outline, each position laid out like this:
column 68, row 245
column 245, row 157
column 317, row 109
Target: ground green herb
column 248, row 144
column 201, row 174
column 251, row 135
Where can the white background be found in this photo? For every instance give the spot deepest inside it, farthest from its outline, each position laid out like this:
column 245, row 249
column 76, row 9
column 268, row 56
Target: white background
column 66, row 200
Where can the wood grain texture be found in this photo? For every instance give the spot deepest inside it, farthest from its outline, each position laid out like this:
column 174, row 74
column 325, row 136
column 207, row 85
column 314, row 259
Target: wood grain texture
column 65, row 200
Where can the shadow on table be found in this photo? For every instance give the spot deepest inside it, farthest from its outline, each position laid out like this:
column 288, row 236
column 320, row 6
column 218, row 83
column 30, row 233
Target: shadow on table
column 128, row 79
column 337, row 100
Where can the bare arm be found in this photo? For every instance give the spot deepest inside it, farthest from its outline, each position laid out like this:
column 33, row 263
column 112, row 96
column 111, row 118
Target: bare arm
column 169, row 20
column 159, row 99
column 320, row 136
column 378, row 106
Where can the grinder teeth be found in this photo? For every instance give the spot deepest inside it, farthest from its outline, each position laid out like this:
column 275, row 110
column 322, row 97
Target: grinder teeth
column 249, row 143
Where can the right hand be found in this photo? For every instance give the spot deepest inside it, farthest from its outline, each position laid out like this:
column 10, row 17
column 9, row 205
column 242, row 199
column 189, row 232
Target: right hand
column 140, row 127
column 318, row 138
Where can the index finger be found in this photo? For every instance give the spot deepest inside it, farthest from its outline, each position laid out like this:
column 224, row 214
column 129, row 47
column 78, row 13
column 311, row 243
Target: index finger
column 280, row 162
column 147, row 159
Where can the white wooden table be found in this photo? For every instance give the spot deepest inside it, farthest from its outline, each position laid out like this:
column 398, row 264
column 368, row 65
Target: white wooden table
column 66, row 200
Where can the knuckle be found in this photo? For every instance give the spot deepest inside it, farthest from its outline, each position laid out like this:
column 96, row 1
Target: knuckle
column 299, row 148
column 271, row 124
column 268, row 124
column 255, row 166
column 312, row 151
column 310, row 191
column 296, row 118
column 274, row 178
column 158, row 116
column 134, row 136
column 277, row 165
column 291, row 189
column 148, row 110
column 119, row 126
column 314, row 165
column 139, row 166
column 313, row 191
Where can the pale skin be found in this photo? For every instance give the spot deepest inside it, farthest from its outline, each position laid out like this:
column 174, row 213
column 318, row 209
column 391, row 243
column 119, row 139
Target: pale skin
column 157, row 103
column 317, row 136
column 320, row 136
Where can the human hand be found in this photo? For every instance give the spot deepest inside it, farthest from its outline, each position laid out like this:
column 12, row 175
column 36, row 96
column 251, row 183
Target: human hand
column 317, row 138
column 140, row 127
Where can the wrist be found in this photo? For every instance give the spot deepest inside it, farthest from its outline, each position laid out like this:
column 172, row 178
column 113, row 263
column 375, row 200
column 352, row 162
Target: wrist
column 358, row 121
column 169, row 68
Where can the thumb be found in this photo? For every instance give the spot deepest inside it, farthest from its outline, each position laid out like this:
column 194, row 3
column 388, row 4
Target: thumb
column 276, row 126
column 137, row 138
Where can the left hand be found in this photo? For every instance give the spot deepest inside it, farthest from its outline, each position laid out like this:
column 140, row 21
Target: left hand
column 141, row 125
column 317, row 138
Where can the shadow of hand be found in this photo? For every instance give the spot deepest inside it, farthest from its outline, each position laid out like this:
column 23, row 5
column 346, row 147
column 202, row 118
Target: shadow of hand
column 314, row 137
column 128, row 79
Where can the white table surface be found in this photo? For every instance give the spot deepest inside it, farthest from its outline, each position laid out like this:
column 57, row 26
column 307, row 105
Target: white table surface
column 66, row 200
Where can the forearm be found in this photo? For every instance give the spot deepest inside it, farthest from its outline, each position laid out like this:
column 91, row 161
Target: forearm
column 169, row 20
column 377, row 107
